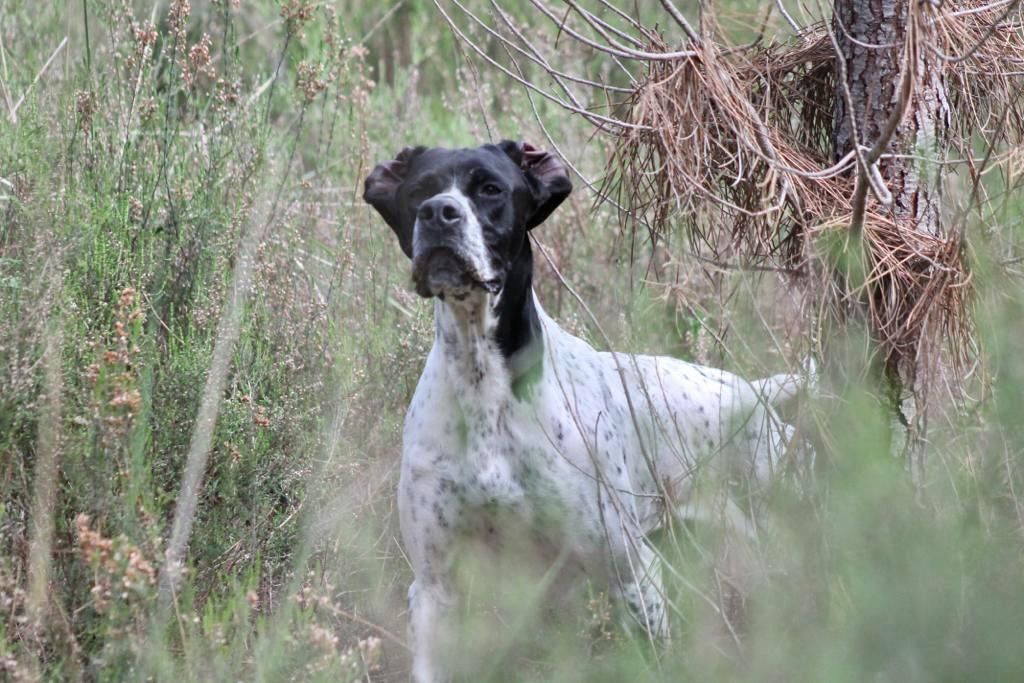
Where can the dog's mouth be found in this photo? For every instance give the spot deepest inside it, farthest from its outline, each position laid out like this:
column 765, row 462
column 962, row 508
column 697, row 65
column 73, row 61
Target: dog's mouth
column 441, row 272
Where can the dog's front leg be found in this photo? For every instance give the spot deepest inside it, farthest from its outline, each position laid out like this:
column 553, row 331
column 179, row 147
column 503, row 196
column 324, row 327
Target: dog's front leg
column 431, row 627
column 427, row 514
column 638, row 589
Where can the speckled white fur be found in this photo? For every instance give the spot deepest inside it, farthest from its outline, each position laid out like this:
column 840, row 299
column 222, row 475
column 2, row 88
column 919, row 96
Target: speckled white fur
column 592, row 456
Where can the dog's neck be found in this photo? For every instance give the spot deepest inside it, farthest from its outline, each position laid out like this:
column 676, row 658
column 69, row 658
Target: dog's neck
column 494, row 343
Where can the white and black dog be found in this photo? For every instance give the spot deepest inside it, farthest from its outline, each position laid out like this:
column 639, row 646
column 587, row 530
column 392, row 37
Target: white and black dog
column 517, row 423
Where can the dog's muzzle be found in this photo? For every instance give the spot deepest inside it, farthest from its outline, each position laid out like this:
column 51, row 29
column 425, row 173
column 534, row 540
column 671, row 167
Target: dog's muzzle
column 438, row 271
column 440, row 264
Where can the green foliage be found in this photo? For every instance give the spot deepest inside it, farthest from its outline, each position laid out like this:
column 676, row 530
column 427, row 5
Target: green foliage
column 137, row 164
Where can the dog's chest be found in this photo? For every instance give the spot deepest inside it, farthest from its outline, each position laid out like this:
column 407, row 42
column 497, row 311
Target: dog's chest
column 496, row 457
column 485, row 457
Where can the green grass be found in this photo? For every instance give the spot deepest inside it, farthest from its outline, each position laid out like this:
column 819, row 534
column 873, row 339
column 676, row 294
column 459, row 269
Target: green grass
column 123, row 205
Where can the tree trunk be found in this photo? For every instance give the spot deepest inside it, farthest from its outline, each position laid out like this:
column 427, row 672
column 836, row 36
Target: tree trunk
column 878, row 38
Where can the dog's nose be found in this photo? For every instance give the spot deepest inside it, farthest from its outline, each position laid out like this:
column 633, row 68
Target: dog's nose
column 442, row 211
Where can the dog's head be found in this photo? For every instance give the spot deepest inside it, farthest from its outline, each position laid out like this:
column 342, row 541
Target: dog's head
column 462, row 215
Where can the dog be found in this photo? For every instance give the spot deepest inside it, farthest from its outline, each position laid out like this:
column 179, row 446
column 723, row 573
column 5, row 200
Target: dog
column 515, row 423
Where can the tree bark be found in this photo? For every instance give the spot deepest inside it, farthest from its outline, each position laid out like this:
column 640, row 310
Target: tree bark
column 877, row 39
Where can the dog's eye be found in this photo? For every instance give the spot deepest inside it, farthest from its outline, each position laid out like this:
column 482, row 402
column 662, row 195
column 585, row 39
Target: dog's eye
column 490, row 190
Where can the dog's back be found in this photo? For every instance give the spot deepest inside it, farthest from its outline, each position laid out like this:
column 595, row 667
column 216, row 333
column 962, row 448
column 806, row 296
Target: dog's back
column 678, row 424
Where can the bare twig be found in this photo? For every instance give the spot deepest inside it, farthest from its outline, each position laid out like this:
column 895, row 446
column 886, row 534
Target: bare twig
column 380, row 22
column 788, row 17
column 678, row 17
column 46, row 476
column 14, row 109
column 597, row 118
column 613, row 47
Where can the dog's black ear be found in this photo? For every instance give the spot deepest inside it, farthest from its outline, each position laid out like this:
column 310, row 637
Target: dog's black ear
column 545, row 174
column 380, row 190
